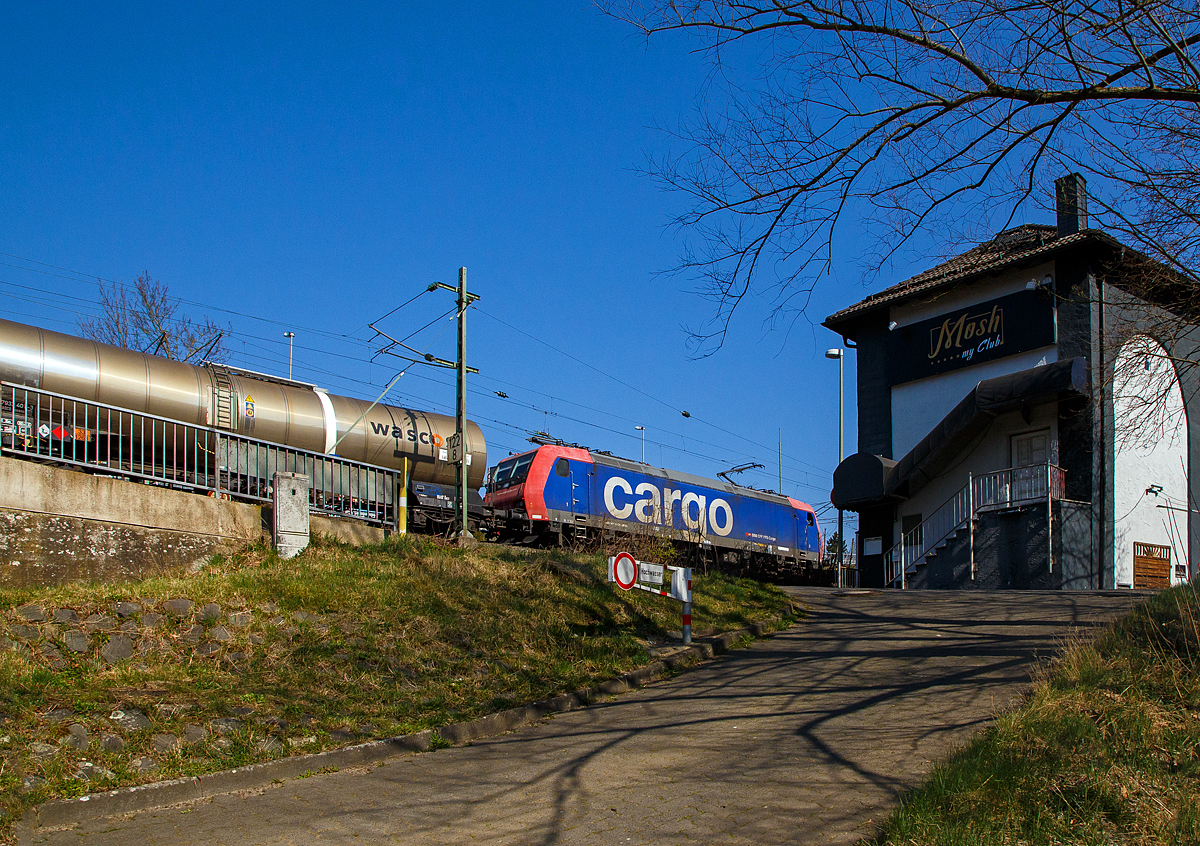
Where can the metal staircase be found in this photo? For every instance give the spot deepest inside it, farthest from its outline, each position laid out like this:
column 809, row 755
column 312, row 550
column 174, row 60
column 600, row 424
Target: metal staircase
column 1014, row 487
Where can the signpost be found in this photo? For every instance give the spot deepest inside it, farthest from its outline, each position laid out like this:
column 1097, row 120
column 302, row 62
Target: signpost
column 629, row 573
column 623, row 569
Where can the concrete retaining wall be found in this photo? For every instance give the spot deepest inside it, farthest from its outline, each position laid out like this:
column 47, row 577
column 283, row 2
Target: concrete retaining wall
column 59, row 525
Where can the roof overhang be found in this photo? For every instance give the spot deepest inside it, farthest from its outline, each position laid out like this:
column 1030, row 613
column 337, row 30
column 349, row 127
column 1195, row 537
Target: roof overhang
column 986, row 260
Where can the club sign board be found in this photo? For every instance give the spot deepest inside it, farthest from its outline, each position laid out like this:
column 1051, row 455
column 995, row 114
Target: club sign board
column 973, row 335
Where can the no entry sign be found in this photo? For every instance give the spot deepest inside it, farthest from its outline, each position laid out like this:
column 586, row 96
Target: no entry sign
column 623, row 569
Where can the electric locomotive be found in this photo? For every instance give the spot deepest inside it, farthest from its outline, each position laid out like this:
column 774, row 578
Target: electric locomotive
column 558, row 493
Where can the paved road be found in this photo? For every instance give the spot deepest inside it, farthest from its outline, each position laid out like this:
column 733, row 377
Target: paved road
column 808, row 737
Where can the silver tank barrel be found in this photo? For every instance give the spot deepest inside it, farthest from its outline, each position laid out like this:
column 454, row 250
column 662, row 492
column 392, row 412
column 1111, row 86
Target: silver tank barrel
column 102, row 373
column 263, row 407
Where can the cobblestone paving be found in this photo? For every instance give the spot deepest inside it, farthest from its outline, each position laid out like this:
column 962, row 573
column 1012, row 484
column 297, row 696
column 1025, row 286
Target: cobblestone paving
column 809, row 737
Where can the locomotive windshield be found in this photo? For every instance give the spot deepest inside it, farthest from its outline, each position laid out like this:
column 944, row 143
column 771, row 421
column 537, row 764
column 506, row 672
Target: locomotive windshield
column 512, row 471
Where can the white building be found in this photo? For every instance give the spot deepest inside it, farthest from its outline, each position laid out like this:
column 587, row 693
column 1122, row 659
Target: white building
column 1024, row 417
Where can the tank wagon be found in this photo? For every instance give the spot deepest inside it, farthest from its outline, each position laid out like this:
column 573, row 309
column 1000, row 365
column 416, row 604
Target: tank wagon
column 555, row 493
column 254, row 405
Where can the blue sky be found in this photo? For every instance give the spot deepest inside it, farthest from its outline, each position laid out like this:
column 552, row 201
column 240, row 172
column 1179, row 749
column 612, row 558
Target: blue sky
column 292, row 167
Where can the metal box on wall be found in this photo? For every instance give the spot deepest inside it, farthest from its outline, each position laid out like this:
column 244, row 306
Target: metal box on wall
column 290, row 524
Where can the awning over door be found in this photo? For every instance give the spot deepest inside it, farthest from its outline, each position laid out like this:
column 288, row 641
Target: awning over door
column 863, row 479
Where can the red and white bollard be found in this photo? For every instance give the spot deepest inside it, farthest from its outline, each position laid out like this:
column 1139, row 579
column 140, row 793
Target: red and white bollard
column 681, row 578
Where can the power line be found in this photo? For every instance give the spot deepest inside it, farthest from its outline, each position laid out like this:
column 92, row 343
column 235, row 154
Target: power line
column 341, row 377
column 79, row 276
column 638, row 390
column 254, row 342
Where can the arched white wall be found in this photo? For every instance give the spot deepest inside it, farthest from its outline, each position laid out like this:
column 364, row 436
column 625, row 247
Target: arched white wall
column 1151, row 437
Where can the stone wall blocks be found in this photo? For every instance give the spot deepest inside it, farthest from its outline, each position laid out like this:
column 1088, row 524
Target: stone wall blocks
column 178, row 607
column 77, row 738
column 164, row 744
column 127, row 609
column 59, row 525
column 60, row 715
column 32, row 613
column 226, row 726
column 76, row 640
column 87, row 771
column 42, row 750
column 49, row 654
column 118, row 648
column 26, row 633
column 129, row 719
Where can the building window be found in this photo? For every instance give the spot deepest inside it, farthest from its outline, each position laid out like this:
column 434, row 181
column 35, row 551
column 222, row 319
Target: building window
column 1031, row 448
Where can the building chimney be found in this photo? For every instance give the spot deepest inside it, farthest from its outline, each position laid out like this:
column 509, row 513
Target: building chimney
column 1070, row 199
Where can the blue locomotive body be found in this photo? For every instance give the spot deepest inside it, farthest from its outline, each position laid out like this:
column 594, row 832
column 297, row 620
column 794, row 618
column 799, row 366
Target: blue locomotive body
column 558, row 492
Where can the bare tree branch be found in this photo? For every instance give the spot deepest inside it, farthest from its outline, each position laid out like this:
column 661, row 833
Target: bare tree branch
column 146, row 319
column 900, row 117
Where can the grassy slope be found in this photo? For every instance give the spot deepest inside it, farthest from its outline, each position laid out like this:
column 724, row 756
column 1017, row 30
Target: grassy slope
column 1105, row 750
column 336, row 645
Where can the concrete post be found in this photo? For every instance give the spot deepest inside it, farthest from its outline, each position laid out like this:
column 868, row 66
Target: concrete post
column 289, row 513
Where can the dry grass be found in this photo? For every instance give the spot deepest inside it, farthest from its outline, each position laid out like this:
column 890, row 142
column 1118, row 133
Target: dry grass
column 1105, row 750
column 340, row 644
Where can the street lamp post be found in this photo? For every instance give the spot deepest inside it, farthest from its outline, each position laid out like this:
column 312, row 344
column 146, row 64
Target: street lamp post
column 289, row 336
column 840, row 355
column 642, row 429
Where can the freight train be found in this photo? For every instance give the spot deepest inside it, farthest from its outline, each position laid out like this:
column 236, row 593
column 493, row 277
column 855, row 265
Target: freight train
column 550, row 494
column 266, row 409
column 554, row 493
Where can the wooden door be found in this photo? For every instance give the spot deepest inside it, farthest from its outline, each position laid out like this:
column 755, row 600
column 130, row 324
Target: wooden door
column 1151, row 566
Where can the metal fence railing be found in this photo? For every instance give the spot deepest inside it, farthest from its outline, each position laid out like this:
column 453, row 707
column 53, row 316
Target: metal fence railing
column 1009, row 488
column 105, row 439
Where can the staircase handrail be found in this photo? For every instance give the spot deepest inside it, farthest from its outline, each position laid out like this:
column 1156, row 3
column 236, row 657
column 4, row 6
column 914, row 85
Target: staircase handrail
column 908, row 539
column 974, row 500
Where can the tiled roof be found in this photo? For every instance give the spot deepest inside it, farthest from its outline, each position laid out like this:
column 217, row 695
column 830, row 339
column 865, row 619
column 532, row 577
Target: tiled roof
column 1029, row 242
